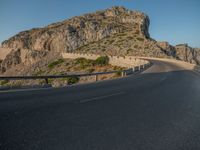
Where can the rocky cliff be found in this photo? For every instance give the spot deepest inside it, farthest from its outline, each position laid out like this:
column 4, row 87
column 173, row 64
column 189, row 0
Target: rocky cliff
column 73, row 33
column 187, row 53
column 114, row 31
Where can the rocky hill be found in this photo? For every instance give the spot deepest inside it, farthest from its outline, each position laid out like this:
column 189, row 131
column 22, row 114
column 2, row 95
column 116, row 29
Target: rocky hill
column 114, row 31
column 73, row 33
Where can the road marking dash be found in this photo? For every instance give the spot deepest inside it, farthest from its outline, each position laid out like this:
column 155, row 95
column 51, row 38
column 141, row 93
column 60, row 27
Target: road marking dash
column 163, row 79
column 100, row 97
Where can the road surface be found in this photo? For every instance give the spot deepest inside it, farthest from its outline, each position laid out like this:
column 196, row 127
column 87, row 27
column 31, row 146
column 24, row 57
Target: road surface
column 158, row 109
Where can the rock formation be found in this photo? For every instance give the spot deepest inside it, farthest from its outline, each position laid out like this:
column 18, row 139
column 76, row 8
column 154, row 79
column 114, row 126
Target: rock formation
column 73, row 33
column 114, row 31
column 187, row 53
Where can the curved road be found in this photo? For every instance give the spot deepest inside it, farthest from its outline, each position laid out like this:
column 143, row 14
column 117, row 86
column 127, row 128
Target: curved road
column 158, row 109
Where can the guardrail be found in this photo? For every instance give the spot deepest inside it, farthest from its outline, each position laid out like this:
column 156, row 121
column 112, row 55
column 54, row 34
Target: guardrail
column 46, row 78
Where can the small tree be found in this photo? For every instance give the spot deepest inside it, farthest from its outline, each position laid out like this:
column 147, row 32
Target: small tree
column 102, row 60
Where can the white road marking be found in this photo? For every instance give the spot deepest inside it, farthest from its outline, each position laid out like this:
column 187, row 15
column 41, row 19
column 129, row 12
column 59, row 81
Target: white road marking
column 163, row 79
column 101, row 97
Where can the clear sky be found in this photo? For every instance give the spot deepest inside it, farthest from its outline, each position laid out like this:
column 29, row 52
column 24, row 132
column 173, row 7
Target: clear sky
column 175, row 21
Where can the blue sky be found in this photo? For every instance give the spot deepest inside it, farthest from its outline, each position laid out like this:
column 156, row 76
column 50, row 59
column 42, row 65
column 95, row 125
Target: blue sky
column 175, row 21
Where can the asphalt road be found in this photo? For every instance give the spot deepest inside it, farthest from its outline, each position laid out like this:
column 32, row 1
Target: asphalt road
column 158, row 109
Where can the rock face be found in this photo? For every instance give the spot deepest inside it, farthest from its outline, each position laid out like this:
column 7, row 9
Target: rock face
column 73, row 33
column 21, row 56
column 187, row 53
column 114, row 31
column 12, row 59
column 167, row 48
column 4, row 52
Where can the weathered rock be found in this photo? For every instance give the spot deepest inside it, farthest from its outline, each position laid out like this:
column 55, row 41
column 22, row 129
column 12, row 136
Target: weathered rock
column 4, row 52
column 12, row 59
column 78, row 31
column 26, row 57
column 168, row 49
column 187, row 53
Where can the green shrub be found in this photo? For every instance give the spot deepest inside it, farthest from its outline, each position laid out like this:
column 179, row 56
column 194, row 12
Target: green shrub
column 102, row 60
column 79, row 60
column 140, row 39
column 3, row 82
column 83, row 62
column 57, row 62
column 119, row 73
column 72, row 80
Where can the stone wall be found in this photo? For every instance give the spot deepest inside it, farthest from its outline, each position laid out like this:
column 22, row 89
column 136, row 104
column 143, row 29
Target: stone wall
column 126, row 61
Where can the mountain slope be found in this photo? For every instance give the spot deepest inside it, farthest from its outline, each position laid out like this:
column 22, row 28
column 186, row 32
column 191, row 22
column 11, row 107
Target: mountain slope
column 73, row 33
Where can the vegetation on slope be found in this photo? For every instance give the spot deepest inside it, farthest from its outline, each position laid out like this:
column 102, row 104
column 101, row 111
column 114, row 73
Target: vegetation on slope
column 69, row 66
column 126, row 43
